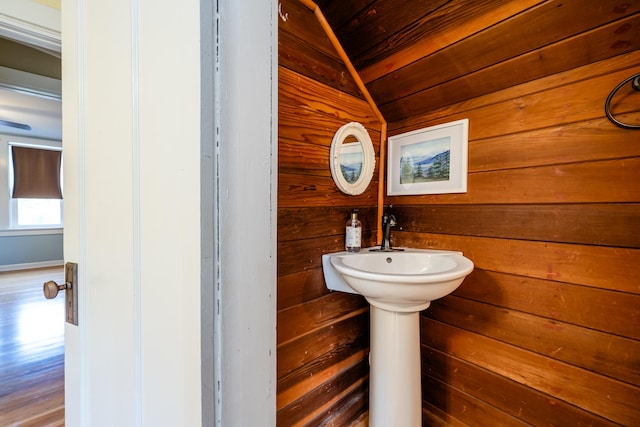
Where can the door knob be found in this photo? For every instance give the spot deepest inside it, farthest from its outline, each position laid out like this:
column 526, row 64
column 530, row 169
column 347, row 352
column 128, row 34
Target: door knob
column 70, row 286
column 51, row 289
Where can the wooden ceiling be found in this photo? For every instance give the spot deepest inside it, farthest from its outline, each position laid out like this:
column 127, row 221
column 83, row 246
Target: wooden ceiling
column 416, row 56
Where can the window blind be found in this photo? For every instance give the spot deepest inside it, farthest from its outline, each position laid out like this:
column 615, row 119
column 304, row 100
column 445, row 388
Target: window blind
column 36, row 173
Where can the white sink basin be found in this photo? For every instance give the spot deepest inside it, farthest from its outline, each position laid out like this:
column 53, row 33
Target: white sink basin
column 401, row 281
column 398, row 285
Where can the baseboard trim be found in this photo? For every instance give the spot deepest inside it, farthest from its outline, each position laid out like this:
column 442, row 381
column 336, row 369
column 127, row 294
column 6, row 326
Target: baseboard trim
column 30, row 265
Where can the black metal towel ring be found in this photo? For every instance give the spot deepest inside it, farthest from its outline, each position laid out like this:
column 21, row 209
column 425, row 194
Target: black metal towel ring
column 635, row 83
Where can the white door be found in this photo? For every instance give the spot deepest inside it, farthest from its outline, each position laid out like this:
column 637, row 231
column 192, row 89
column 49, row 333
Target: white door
column 131, row 141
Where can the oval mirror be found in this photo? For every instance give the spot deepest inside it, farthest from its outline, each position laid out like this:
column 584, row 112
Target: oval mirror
column 352, row 158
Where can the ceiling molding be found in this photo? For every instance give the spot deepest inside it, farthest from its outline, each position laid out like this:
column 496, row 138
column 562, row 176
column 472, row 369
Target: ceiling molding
column 32, row 24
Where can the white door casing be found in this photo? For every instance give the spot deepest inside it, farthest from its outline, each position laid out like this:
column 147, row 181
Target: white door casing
column 246, row 86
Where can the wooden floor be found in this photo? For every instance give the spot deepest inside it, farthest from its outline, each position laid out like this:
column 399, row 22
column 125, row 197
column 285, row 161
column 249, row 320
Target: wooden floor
column 31, row 350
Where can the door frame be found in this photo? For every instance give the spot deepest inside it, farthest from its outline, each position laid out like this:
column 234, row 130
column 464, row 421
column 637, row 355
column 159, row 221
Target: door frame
column 245, row 323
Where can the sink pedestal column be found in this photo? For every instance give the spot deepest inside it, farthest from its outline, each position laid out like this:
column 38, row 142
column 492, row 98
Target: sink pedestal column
column 395, row 395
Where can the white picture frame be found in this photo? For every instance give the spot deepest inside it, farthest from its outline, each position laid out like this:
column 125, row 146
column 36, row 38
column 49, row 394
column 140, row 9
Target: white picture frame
column 432, row 160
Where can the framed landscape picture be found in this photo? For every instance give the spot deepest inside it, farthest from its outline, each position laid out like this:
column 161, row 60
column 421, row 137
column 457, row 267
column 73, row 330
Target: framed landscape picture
column 432, row 160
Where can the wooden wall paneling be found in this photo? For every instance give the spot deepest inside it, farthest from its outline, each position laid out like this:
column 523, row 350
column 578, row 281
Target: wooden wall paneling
column 312, row 353
column 294, row 129
column 404, row 42
column 563, row 223
column 309, row 222
column 304, row 382
column 363, row 419
column 599, row 44
column 432, row 416
column 300, row 281
column 310, row 113
column 434, row 34
column 573, row 102
column 507, row 395
column 598, row 352
column 594, row 139
column 302, row 190
column 323, row 337
column 315, row 403
column 568, row 102
column 621, row 65
column 570, row 259
column 588, row 182
column 307, row 107
column 548, row 243
column 380, row 20
column 301, row 286
column 352, row 401
column 300, row 255
column 341, row 11
column 298, row 158
column 345, row 58
column 607, row 311
column 469, row 410
column 536, row 220
column 303, row 58
column 301, row 125
column 315, row 322
column 542, row 25
column 555, row 183
column 597, row 266
column 301, row 24
column 317, row 331
column 613, row 400
column 571, row 183
column 316, row 157
column 356, row 406
column 311, row 321
column 550, row 220
column 320, row 313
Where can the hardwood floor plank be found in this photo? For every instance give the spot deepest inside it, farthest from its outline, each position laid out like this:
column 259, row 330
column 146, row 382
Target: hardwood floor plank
column 31, row 350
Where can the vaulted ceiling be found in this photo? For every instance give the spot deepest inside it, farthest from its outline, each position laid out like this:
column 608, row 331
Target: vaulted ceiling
column 416, row 56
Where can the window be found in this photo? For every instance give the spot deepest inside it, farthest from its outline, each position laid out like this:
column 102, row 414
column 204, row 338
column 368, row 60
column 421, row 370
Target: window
column 35, row 186
column 38, row 212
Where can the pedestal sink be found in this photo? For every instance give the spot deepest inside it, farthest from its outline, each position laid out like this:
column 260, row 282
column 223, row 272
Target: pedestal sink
column 398, row 285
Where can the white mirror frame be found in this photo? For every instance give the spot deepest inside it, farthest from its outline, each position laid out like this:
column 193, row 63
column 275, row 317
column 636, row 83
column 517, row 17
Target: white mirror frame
column 368, row 162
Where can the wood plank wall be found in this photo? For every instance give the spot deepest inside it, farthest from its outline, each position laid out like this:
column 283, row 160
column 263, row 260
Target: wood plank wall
column 546, row 330
column 323, row 339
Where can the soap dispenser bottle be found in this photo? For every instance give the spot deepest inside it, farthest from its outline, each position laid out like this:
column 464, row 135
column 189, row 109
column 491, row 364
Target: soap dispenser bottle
column 353, row 236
